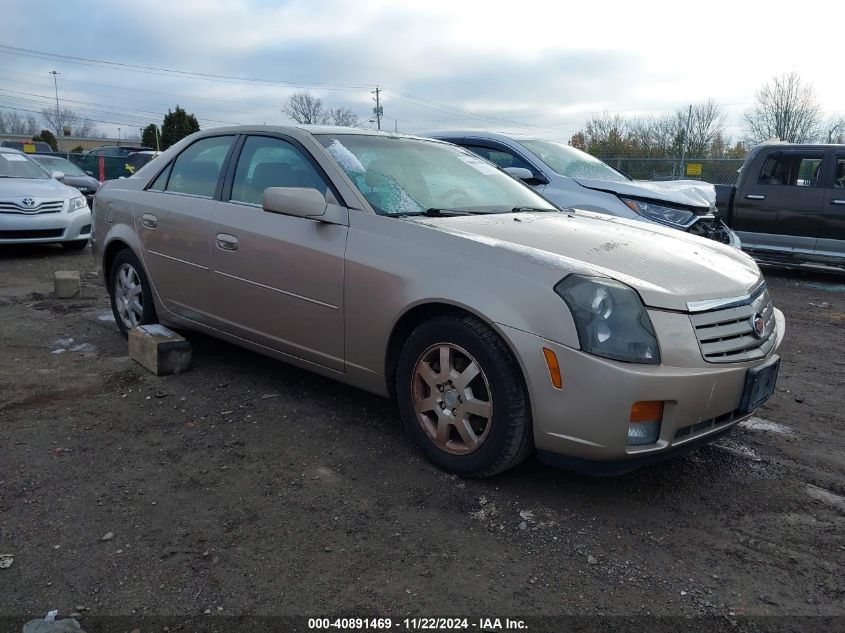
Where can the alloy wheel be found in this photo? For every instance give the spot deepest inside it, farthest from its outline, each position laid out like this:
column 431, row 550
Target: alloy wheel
column 129, row 296
column 452, row 398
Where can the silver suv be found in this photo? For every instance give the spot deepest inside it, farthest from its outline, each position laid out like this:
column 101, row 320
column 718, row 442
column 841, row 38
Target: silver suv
column 35, row 207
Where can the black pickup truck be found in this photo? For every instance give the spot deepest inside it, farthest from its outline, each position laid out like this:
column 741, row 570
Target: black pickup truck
column 788, row 205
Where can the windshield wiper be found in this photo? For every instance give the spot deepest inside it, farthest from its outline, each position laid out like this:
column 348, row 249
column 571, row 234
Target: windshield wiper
column 529, row 209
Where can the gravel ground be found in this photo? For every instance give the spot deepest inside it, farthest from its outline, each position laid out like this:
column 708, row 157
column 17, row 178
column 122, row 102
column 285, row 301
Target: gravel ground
column 250, row 487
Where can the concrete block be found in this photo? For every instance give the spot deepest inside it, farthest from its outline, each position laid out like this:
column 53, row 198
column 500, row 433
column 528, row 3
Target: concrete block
column 159, row 349
column 67, row 284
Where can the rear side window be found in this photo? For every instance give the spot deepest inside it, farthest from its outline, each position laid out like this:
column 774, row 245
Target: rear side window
column 271, row 162
column 793, row 170
column 160, row 182
column 197, row 169
column 839, row 178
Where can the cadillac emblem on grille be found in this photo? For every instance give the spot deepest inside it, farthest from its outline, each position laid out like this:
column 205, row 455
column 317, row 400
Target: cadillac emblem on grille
column 758, row 325
column 28, row 202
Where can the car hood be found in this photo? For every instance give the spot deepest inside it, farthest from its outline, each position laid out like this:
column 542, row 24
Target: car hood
column 35, row 187
column 667, row 267
column 82, row 181
column 686, row 192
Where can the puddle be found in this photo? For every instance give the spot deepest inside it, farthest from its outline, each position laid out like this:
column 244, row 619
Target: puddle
column 761, row 424
column 820, row 285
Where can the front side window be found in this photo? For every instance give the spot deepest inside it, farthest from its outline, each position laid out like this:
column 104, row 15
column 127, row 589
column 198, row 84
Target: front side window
column 500, row 157
column 271, row 162
column 197, row 169
column 401, row 176
column 792, row 170
column 572, row 162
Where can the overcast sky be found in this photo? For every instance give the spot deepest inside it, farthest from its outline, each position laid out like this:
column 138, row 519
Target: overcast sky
column 534, row 67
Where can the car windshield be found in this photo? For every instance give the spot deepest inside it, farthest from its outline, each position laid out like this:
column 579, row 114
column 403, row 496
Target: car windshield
column 54, row 163
column 402, row 176
column 568, row 161
column 14, row 165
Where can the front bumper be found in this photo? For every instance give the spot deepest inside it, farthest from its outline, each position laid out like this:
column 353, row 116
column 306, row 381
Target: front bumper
column 19, row 228
column 588, row 418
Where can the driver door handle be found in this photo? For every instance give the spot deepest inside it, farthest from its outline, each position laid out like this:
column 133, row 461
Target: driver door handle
column 837, row 202
column 754, row 196
column 227, row 242
column 149, row 220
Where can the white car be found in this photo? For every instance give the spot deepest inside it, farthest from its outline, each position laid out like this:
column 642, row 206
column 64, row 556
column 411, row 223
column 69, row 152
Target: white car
column 35, row 207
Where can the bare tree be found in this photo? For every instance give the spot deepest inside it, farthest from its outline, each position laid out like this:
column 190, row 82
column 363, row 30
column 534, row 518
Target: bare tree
column 17, row 124
column 707, row 123
column 834, row 130
column 342, row 116
column 59, row 120
column 304, row 108
column 84, row 128
column 786, row 109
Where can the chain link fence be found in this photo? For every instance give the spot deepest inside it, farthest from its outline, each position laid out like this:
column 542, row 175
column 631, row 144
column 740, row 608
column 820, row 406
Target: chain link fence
column 718, row 171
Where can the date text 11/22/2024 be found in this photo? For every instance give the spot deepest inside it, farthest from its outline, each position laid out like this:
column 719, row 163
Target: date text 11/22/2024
column 417, row 624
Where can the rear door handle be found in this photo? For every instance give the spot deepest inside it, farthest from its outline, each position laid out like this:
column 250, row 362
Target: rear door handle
column 754, row 196
column 149, row 220
column 227, row 242
column 837, row 202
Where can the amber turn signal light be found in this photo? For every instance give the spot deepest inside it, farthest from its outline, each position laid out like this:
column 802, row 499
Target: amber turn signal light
column 646, row 411
column 554, row 368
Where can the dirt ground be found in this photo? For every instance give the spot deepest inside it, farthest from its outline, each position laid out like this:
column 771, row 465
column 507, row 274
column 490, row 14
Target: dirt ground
column 250, row 487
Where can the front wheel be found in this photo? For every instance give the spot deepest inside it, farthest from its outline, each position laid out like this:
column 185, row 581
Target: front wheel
column 131, row 296
column 463, row 398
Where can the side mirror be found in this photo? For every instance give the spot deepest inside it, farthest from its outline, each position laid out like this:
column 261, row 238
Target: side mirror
column 58, row 175
column 299, row 202
column 526, row 176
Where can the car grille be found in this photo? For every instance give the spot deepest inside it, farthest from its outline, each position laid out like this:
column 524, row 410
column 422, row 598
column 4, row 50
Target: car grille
column 711, row 228
column 31, row 235
column 727, row 335
column 49, row 206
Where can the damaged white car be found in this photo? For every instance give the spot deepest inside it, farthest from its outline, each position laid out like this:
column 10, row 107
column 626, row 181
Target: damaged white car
column 573, row 179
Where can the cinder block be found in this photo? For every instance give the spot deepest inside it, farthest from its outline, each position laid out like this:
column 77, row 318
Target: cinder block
column 67, row 284
column 159, row 349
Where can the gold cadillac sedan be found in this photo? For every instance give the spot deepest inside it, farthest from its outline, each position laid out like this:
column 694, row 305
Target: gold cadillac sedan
column 414, row 269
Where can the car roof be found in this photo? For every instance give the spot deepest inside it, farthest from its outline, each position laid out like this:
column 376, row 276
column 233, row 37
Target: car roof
column 493, row 136
column 299, row 130
column 9, row 150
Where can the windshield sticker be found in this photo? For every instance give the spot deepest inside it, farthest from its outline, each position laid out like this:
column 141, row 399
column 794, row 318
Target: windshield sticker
column 479, row 165
column 14, row 157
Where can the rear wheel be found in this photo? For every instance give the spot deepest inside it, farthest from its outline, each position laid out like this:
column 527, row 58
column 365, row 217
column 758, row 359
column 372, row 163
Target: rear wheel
column 76, row 245
column 131, row 296
column 463, row 397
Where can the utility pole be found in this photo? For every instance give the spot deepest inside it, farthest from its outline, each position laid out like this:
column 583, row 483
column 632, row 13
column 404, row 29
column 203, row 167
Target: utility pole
column 684, row 143
column 59, row 131
column 378, row 109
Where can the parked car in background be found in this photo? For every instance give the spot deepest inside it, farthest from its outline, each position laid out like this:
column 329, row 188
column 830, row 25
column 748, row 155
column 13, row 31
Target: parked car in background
column 573, row 179
column 136, row 160
column 413, row 268
column 73, row 175
column 117, row 150
column 28, row 147
column 37, row 208
column 788, row 204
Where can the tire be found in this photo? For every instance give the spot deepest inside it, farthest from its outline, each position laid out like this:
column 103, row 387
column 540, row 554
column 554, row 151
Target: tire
column 496, row 443
column 76, row 245
column 126, row 274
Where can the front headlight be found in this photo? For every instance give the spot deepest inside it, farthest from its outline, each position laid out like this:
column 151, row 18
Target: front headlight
column 611, row 319
column 76, row 203
column 660, row 213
